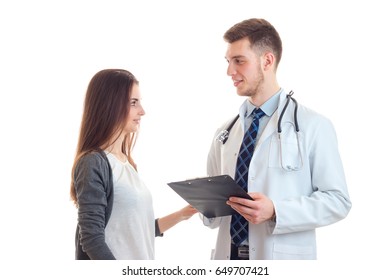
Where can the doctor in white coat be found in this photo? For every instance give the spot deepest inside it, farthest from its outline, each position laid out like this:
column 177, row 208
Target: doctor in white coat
column 296, row 178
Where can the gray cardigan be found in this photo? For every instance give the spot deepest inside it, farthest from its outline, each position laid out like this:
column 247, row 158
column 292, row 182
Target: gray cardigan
column 94, row 190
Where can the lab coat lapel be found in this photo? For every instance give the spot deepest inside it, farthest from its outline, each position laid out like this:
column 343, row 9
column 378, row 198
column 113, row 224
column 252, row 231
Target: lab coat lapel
column 273, row 122
column 269, row 129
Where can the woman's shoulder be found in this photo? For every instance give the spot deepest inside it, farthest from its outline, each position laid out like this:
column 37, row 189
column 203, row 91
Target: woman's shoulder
column 97, row 159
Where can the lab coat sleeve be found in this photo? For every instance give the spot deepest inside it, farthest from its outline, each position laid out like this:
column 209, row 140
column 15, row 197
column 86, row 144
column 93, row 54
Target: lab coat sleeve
column 329, row 200
column 214, row 158
column 213, row 169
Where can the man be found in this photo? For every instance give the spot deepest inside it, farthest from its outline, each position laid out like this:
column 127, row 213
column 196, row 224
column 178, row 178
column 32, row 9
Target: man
column 295, row 176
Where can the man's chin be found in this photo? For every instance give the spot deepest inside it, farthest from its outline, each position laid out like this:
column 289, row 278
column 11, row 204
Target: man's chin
column 241, row 93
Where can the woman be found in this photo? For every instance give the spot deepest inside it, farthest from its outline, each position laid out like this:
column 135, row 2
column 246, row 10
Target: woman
column 115, row 212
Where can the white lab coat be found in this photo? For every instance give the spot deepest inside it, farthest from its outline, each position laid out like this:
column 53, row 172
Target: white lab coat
column 312, row 197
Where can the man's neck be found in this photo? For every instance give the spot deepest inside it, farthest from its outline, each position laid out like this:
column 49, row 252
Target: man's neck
column 264, row 94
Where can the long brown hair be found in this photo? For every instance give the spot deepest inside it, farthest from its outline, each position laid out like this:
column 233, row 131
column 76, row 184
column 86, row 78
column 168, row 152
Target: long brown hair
column 106, row 107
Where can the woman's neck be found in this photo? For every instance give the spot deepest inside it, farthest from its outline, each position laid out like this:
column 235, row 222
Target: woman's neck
column 116, row 148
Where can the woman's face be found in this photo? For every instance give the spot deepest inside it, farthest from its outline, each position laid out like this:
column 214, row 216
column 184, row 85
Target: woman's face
column 136, row 111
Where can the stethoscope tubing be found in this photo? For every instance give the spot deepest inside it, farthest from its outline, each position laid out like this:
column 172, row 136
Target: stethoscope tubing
column 289, row 97
column 224, row 134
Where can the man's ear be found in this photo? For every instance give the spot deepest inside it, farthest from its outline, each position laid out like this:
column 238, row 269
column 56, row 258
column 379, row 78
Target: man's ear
column 268, row 61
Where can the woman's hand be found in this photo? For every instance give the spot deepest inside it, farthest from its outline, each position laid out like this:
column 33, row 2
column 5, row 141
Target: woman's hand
column 187, row 212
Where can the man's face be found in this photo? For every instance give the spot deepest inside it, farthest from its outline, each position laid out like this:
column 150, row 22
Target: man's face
column 244, row 68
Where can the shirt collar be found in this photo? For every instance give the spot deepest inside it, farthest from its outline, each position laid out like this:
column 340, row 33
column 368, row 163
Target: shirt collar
column 269, row 107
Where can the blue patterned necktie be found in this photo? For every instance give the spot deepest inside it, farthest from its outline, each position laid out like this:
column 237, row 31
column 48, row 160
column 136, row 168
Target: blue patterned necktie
column 239, row 226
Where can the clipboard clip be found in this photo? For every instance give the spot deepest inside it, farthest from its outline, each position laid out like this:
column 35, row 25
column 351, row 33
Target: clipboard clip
column 210, row 179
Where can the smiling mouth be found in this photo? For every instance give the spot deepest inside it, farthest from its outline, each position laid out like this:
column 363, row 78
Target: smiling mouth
column 237, row 82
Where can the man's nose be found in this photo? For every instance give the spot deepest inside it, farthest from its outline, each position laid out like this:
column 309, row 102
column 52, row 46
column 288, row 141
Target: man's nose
column 231, row 70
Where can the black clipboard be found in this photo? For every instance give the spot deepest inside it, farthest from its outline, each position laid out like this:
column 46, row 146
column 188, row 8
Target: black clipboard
column 209, row 194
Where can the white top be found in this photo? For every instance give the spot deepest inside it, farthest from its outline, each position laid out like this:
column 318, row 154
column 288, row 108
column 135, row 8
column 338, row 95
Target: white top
column 130, row 231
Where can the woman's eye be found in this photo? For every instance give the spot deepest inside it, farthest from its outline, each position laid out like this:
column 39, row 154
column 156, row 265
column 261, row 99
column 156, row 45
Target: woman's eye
column 134, row 102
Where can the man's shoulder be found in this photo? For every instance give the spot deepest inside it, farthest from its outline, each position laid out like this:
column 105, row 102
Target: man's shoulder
column 311, row 114
column 312, row 120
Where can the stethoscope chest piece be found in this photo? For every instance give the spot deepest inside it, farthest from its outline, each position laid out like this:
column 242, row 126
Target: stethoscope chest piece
column 223, row 136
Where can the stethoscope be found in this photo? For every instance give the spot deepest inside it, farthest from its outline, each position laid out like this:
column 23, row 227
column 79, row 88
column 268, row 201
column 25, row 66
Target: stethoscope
column 223, row 136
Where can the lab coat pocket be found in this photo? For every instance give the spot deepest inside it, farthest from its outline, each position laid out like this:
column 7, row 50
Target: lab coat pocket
column 285, row 152
column 293, row 252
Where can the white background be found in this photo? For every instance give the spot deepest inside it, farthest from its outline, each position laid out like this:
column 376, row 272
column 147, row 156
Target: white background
column 335, row 58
